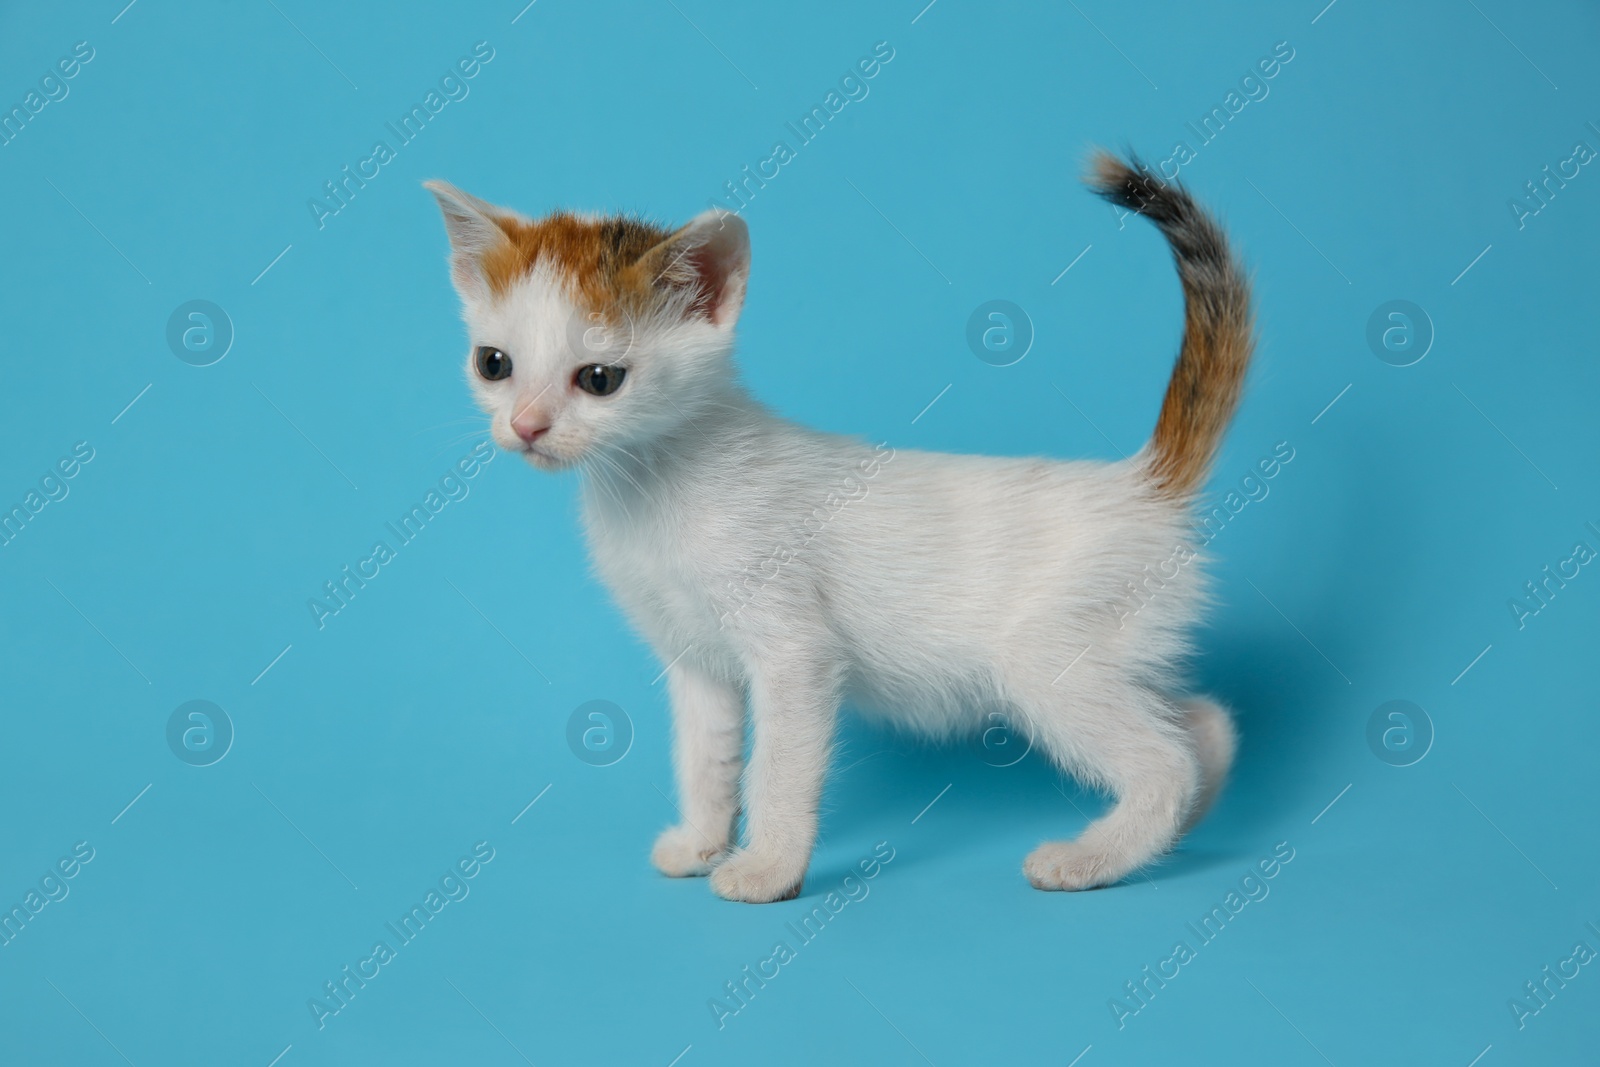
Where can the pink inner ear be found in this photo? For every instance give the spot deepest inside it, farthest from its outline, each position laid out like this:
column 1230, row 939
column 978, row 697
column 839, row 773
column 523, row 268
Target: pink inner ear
column 717, row 290
column 711, row 274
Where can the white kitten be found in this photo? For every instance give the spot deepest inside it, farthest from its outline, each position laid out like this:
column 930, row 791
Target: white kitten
column 785, row 571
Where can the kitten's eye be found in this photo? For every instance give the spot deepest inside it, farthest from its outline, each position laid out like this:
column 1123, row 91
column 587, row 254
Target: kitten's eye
column 599, row 379
column 493, row 364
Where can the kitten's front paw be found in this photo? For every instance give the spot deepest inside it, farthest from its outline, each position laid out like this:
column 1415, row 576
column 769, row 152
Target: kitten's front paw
column 757, row 878
column 681, row 852
column 1071, row 865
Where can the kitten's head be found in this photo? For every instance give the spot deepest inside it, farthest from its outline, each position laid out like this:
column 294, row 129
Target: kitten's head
column 593, row 333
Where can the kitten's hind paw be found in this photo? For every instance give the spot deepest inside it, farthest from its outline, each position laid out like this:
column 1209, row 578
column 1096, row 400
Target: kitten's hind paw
column 1071, row 865
column 757, row 878
column 681, row 852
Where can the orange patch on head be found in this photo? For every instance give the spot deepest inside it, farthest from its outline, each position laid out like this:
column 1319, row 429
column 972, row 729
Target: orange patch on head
column 594, row 257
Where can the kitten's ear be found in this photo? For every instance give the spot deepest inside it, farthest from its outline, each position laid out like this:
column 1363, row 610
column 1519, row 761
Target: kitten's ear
column 474, row 234
column 711, row 257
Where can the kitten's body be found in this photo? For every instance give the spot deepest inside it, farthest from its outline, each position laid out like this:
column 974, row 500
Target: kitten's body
column 783, row 571
column 939, row 583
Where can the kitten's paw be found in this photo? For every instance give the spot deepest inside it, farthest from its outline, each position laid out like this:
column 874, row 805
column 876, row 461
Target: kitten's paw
column 1071, row 865
column 681, row 852
column 757, row 878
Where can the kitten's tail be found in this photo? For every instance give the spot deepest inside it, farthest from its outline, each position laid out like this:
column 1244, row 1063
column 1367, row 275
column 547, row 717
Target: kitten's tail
column 1218, row 336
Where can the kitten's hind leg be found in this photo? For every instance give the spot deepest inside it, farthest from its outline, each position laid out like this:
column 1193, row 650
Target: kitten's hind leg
column 707, row 751
column 1215, row 741
column 1134, row 742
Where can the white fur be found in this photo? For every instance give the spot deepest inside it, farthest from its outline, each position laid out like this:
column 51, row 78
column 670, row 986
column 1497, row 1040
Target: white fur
column 941, row 586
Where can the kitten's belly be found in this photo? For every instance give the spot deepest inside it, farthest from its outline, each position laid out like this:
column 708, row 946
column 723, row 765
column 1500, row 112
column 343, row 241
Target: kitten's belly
column 922, row 706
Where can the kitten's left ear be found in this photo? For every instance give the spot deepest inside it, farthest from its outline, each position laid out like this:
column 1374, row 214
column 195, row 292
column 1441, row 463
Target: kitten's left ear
column 474, row 235
column 710, row 257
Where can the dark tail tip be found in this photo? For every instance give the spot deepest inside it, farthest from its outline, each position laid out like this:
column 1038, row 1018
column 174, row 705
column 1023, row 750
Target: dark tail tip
column 1133, row 185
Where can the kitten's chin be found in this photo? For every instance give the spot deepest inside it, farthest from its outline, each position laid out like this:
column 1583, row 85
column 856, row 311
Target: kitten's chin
column 545, row 461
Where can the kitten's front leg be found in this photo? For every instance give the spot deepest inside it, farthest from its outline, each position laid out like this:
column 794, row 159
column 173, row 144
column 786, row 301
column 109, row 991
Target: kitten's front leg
column 793, row 707
column 707, row 746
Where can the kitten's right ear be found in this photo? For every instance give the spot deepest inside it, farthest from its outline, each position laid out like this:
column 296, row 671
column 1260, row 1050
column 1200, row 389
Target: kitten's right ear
column 474, row 235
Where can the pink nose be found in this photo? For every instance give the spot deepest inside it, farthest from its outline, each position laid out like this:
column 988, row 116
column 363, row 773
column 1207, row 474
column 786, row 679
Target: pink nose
column 529, row 429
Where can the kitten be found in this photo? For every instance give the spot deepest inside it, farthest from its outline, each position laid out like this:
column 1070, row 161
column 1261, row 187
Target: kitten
column 784, row 571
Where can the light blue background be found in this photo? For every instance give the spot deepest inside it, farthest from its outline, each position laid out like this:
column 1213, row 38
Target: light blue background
column 409, row 728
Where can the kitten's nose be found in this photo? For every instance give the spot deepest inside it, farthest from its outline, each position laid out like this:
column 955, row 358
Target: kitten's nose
column 529, row 427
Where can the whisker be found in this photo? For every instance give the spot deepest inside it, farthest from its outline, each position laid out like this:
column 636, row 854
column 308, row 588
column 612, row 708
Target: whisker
column 456, row 442
column 613, row 465
column 598, row 477
column 620, row 469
